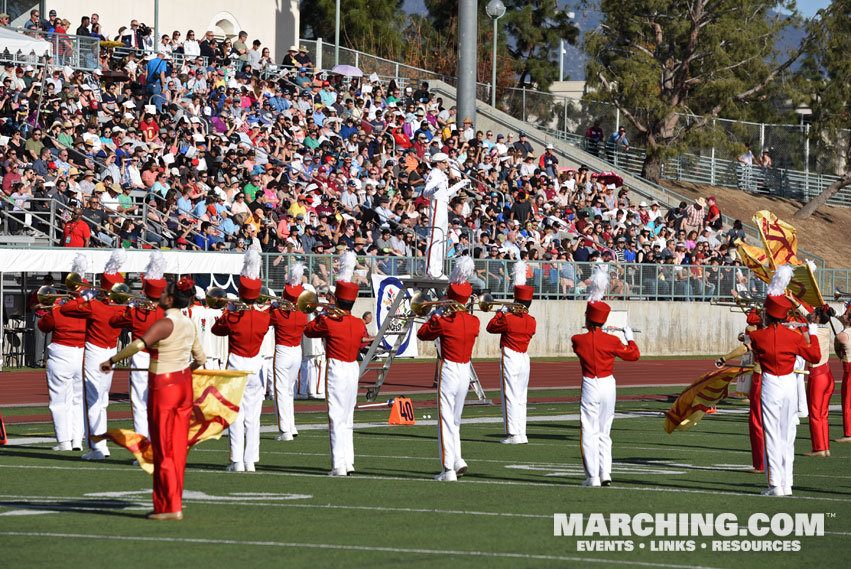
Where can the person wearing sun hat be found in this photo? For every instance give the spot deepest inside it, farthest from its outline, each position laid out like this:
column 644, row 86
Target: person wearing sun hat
column 101, row 342
column 597, row 351
column 516, row 330
column 776, row 347
column 457, row 331
column 438, row 192
column 138, row 319
column 343, row 334
column 245, row 330
column 289, row 327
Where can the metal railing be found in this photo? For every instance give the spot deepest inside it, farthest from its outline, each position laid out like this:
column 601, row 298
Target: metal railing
column 77, row 52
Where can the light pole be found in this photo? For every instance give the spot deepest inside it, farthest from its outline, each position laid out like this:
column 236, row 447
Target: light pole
column 496, row 10
column 337, row 35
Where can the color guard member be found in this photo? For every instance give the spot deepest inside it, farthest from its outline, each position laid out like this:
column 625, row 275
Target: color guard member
column 516, row 328
column 820, row 388
column 289, row 324
column 842, row 345
column 597, row 351
column 457, row 331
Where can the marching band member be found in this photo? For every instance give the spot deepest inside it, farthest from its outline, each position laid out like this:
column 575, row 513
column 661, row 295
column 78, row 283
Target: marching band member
column 754, row 320
column 776, row 347
column 597, row 351
column 101, row 341
column 289, row 324
column 267, row 352
column 842, row 345
column 138, row 319
column 203, row 317
column 176, row 351
column 457, row 331
column 516, row 330
column 65, row 369
column 343, row 334
column 246, row 329
column 438, row 191
column 820, row 389
column 311, row 377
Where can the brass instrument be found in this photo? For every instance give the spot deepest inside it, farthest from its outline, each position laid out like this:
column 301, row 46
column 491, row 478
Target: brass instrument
column 615, row 329
column 422, row 304
column 308, row 304
column 488, row 302
column 218, row 298
column 120, row 294
column 47, row 296
column 74, row 283
column 840, row 294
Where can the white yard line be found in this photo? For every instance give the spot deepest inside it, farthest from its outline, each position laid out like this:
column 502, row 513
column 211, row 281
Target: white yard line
column 343, row 547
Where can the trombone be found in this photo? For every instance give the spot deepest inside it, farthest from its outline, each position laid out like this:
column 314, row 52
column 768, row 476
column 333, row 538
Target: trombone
column 47, row 296
column 217, row 298
column 488, row 302
column 423, row 303
column 120, row 294
column 307, row 303
column 74, row 283
column 266, row 298
column 840, row 294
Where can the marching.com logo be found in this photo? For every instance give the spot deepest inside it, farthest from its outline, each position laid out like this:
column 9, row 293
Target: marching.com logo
column 766, row 528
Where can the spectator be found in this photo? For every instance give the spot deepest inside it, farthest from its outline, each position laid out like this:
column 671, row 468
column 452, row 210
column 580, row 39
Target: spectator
column 616, row 140
column 593, row 138
column 743, row 167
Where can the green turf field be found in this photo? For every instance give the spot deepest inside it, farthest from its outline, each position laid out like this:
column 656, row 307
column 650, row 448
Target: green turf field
column 57, row 511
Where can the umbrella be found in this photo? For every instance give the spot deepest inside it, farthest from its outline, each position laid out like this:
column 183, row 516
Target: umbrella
column 610, row 178
column 347, row 71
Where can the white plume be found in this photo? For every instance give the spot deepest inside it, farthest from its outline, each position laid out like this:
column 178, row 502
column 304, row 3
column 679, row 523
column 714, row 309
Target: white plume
column 347, row 267
column 116, row 260
column 519, row 273
column 295, row 274
column 251, row 264
column 156, row 266
column 780, row 280
column 199, row 293
column 599, row 283
column 812, row 266
column 80, row 264
column 463, row 270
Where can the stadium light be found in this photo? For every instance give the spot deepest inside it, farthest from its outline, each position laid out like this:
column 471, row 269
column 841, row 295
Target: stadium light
column 496, row 10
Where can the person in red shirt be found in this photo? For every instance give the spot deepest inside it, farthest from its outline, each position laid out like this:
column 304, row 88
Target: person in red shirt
column 776, row 348
column 149, row 127
column 245, row 330
column 289, row 324
column 76, row 232
column 516, row 330
column 597, row 351
column 457, row 331
column 138, row 319
column 101, row 341
column 343, row 335
column 65, row 370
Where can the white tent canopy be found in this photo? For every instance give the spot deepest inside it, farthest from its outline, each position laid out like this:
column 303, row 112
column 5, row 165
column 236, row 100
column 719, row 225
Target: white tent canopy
column 14, row 42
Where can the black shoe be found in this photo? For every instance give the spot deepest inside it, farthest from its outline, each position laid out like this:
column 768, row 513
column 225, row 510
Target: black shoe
column 606, row 483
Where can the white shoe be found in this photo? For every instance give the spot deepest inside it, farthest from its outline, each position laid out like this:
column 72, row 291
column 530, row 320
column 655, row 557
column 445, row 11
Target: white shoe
column 337, row 472
column 773, row 491
column 797, row 419
column 606, row 481
column 350, row 468
column 524, row 440
column 235, row 467
column 803, row 414
column 95, row 454
column 284, row 437
column 787, row 491
column 512, row 440
column 249, row 467
column 62, row 447
column 446, row 476
column 460, row 467
column 592, row 482
column 76, row 445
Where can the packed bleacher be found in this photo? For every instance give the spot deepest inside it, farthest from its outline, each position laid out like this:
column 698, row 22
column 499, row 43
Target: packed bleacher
column 210, row 145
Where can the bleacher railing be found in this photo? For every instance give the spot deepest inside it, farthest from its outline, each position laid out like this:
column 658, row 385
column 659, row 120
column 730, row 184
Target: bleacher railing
column 77, row 52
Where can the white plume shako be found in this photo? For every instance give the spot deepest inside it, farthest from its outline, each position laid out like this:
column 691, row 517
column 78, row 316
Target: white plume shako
column 347, row 267
column 251, row 264
column 295, row 274
column 116, row 261
column 519, row 273
column 463, row 270
column 156, row 266
column 780, row 281
column 80, row 264
column 599, row 283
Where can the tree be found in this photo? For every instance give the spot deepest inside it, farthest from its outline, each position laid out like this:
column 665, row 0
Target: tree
column 371, row 26
column 829, row 81
column 657, row 59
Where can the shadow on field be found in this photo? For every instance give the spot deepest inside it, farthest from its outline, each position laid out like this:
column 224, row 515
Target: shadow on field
column 45, row 453
column 82, row 506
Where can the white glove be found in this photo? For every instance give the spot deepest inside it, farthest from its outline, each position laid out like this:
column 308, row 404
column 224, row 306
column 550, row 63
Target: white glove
column 627, row 334
column 812, row 329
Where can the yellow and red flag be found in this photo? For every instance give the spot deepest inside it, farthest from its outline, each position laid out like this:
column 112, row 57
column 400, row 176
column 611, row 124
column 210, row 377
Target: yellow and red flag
column 756, row 259
column 216, row 397
column 803, row 286
column 779, row 238
column 701, row 396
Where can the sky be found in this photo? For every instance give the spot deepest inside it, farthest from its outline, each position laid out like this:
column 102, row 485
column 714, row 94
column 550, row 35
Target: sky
column 809, row 7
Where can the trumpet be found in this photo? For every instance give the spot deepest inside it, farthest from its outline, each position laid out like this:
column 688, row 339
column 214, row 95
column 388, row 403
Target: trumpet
column 308, row 304
column 840, row 294
column 487, row 303
column 422, row 304
column 47, row 296
column 218, row 298
column 120, row 294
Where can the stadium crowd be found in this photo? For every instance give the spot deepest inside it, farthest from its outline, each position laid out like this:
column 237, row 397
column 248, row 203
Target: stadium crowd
column 221, row 149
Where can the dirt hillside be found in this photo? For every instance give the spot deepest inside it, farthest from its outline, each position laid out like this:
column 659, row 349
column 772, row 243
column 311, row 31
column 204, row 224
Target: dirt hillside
column 827, row 233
